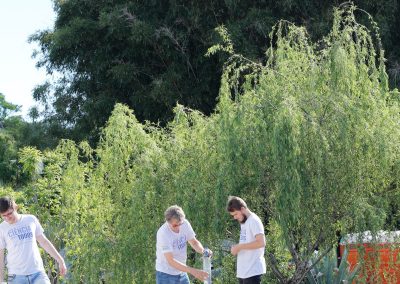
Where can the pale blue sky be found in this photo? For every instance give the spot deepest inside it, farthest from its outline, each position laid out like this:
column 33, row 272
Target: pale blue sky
column 18, row 74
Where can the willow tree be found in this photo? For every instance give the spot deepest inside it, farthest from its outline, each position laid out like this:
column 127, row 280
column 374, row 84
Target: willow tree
column 331, row 130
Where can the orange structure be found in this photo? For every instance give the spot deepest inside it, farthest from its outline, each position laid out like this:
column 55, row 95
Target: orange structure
column 380, row 253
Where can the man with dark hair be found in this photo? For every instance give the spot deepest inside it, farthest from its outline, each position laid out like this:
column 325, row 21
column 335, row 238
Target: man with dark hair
column 171, row 249
column 250, row 250
column 19, row 234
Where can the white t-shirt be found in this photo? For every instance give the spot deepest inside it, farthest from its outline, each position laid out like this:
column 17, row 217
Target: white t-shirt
column 23, row 256
column 169, row 241
column 250, row 262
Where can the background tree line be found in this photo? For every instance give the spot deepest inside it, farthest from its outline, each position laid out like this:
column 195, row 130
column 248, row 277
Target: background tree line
column 16, row 133
column 149, row 55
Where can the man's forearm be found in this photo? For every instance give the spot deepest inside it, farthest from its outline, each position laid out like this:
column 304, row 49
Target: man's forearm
column 199, row 274
column 253, row 245
column 197, row 246
column 180, row 266
column 49, row 248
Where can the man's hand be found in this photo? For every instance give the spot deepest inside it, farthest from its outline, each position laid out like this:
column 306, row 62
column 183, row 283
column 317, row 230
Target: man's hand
column 209, row 251
column 259, row 242
column 62, row 268
column 199, row 274
column 235, row 249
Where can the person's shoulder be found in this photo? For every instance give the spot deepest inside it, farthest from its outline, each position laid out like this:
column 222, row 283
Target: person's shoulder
column 3, row 225
column 3, row 228
column 186, row 224
column 187, row 228
column 29, row 218
column 162, row 229
column 254, row 218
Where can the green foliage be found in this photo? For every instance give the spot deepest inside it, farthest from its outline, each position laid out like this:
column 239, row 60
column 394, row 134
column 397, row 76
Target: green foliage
column 6, row 108
column 8, row 154
column 19, row 197
column 16, row 133
column 330, row 130
column 8, row 145
column 31, row 160
column 149, row 55
column 37, row 134
column 326, row 270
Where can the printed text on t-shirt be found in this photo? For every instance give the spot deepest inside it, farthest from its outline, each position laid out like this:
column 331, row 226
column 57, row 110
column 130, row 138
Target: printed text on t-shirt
column 180, row 243
column 21, row 233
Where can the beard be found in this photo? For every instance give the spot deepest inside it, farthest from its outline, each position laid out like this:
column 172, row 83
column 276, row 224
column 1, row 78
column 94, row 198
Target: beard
column 243, row 220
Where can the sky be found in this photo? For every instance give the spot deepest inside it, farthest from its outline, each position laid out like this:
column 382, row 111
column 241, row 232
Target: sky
column 18, row 75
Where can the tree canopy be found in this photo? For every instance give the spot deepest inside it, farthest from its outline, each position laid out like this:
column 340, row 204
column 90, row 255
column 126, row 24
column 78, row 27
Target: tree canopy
column 6, row 108
column 16, row 133
column 8, row 147
column 149, row 55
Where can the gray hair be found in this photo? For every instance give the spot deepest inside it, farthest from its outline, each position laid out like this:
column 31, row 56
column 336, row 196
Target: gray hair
column 174, row 212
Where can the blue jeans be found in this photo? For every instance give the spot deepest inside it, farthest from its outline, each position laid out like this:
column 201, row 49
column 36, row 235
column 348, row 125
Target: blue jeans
column 164, row 278
column 35, row 278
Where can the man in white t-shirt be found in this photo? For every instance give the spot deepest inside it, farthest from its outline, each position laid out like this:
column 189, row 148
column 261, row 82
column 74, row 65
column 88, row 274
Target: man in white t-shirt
column 172, row 238
column 250, row 250
column 19, row 234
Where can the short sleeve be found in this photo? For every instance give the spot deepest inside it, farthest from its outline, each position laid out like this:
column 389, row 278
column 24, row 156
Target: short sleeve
column 163, row 243
column 257, row 227
column 38, row 228
column 2, row 241
column 190, row 234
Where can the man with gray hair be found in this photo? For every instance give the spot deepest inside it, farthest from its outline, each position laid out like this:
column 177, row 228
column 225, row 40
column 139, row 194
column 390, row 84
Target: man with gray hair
column 172, row 238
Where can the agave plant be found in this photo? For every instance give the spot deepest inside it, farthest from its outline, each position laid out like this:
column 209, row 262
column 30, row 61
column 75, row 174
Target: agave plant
column 326, row 271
